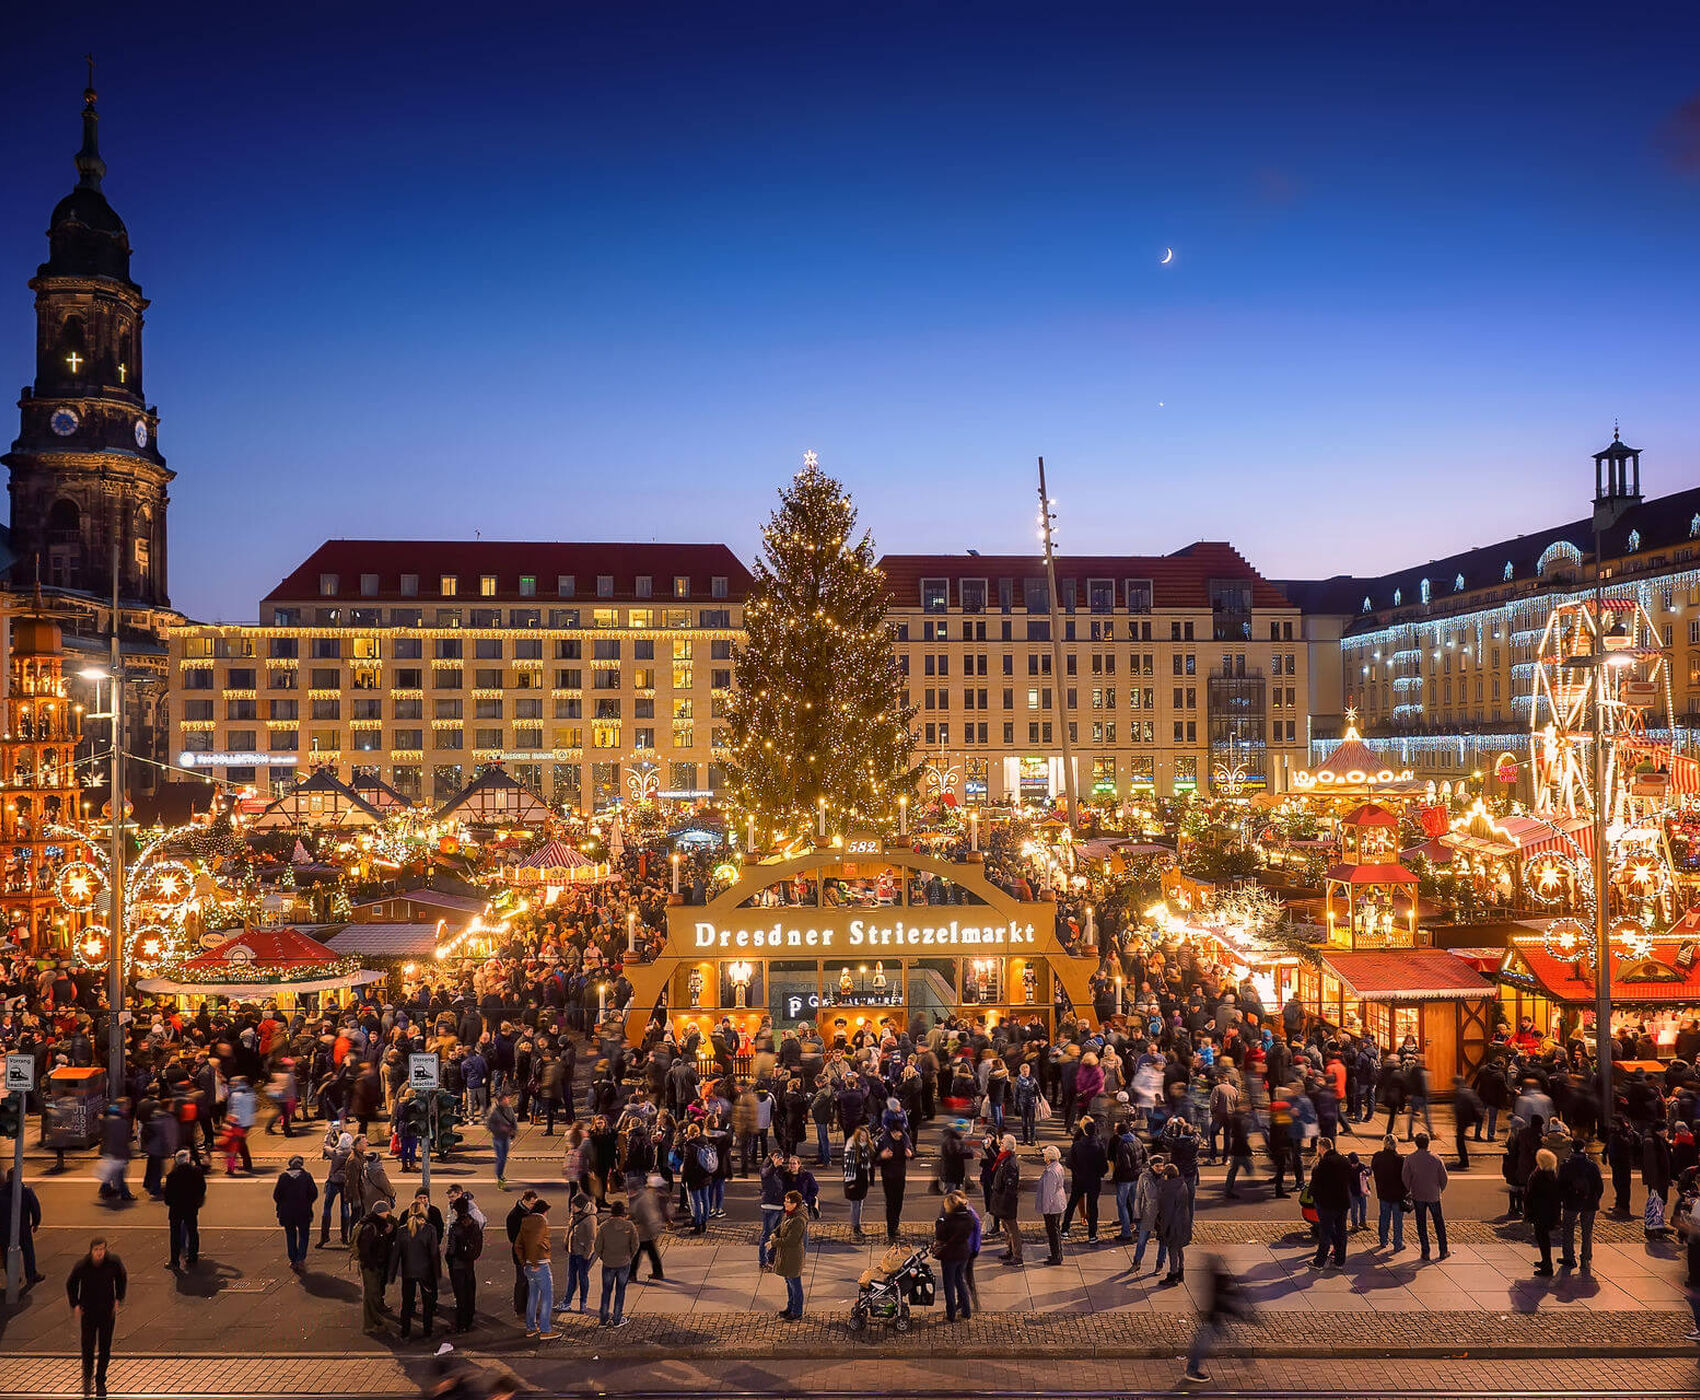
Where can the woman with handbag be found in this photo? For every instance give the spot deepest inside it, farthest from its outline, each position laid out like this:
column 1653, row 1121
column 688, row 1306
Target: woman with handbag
column 858, row 1176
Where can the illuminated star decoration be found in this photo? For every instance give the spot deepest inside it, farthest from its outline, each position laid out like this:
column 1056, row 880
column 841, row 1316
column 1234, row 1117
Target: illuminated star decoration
column 811, row 460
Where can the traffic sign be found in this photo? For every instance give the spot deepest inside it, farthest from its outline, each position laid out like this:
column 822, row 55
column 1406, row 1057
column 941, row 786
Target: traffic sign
column 423, row 1071
column 20, row 1074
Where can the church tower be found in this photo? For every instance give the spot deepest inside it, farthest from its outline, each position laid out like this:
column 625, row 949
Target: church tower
column 86, row 468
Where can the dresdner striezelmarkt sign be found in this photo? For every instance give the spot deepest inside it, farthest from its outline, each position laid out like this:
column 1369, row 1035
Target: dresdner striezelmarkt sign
column 736, row 934
column 864, row 933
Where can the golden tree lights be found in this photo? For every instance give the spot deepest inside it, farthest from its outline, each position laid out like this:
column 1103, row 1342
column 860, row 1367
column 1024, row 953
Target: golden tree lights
column 817, row 731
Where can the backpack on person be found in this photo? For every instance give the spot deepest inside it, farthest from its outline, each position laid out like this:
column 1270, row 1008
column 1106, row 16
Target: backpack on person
column 372, row 1244
column 708, row 1159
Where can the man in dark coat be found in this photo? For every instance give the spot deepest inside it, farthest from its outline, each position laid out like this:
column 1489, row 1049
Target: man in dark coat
column 1331, row 1191
column 95, row 1289
column 294, row 1195
column 185, row 1192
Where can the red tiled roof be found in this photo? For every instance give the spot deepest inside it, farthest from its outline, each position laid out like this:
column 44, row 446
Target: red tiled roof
column 270, row 947
column 1559, row 980
column 1178, row 580
column 1412, row 974
column 470, row 560
column 1370, row 814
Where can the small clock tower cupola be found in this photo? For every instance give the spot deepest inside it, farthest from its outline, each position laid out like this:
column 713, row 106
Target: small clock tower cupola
column 86, row 469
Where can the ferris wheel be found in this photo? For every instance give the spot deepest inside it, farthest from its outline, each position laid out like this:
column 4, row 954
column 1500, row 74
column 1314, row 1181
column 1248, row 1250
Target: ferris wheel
column 1570, row 693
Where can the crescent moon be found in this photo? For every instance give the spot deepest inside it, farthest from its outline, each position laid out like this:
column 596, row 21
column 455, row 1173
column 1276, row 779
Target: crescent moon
column 1168, row 256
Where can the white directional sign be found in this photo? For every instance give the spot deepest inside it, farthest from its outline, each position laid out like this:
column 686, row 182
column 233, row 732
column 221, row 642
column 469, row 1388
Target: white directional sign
column 20, row 1074
column 423, row 1071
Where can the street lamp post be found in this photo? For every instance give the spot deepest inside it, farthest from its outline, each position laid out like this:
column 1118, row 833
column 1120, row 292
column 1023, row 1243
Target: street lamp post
column 115, row 889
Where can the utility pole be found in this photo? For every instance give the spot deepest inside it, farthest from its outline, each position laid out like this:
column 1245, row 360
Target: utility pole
column 1047, row 517
column 115, row 887
column 1615, row 493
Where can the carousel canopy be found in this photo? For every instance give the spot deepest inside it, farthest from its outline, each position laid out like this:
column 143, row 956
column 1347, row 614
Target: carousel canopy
column 1371, row 814
column 494, row 798
column 260, row 961
column 321, row 800
column 1371, row 875
column 555, row 855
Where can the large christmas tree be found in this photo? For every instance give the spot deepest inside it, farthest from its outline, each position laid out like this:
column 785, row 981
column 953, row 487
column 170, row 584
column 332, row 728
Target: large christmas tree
column 818, row 711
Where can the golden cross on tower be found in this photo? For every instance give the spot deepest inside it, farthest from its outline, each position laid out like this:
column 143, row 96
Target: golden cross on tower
column 75, row 361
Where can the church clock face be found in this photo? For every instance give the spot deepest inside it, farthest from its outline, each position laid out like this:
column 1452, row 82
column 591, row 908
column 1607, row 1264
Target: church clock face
column 64, row 421
column 141, row 433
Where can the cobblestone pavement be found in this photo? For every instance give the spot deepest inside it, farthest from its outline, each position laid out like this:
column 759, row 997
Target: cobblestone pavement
column 1084, row 1378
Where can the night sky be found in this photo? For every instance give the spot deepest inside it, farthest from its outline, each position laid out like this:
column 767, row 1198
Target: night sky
column 607, row 271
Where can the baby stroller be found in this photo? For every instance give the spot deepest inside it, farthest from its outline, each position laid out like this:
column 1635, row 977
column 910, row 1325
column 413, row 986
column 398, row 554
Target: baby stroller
column 887, row 1291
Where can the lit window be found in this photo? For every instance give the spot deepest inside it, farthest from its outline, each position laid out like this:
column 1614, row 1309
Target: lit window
column 449, row 585
column 487, row 586
column 681, row 587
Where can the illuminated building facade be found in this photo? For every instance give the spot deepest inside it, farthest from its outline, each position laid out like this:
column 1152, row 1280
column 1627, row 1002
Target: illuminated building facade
column 1182, row 672
column 38, row 771
column 1439, row 660
column 590, row 671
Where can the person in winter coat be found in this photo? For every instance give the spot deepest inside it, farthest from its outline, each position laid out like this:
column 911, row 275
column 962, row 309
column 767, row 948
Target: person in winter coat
column 617, row 1248
column 1521, row 1144
column 1467, row 1114
column 1387, row 1170
column 649, row 1207
column 1655, row 1165
column 858, row 1176
column 1145, row 1211
column 417, row 1259
column 1005, row 1204
column 185, row 1193
column 891, row 1154
column 1087, row 1164
column 1331, row 1182
column 159, row 1144
column 1543, row 1206
column 373, row 1244
column 336, row 1188
column 1127, row 1162
column 1174, row 1223
column 1580, row 1189
column 1024, row 1092
column 953, row 1234
column 789, row 1253
column 503, row 1123
column 293, row 1196
column 581, row 1249
column 1051, row 1198
column 461, row 1251
column 95, row 1289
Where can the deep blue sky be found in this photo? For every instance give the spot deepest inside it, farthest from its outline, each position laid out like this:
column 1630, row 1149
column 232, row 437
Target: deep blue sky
column 606, row 271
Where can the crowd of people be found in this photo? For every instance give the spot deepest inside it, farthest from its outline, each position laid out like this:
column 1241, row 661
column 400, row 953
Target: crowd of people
column 1185, row 1069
